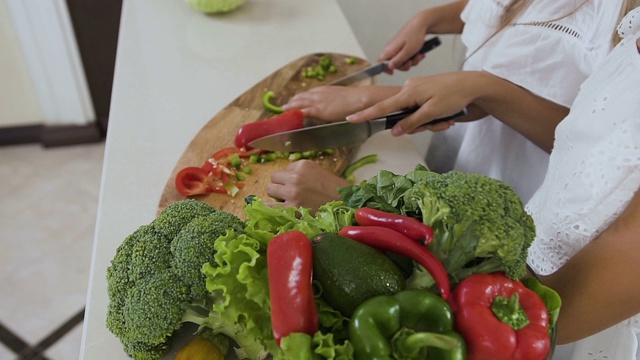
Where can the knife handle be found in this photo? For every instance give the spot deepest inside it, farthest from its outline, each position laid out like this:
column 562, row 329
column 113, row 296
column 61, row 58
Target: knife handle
column 429, row 45
column 395, row 117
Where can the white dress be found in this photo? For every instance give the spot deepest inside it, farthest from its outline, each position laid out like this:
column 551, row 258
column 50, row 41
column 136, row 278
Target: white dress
column 594, row 171
column 551, row 59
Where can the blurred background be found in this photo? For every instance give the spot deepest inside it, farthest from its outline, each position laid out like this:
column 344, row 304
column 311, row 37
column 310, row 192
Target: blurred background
column 57, row 60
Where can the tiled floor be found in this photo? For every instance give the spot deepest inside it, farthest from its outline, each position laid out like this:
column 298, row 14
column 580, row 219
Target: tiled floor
column 48, row 203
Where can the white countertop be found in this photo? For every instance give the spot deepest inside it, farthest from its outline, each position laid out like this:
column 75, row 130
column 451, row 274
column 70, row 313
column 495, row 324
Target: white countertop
column 175, row 69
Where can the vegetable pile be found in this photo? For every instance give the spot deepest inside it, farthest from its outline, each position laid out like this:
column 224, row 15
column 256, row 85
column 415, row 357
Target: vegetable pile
column 415, row 266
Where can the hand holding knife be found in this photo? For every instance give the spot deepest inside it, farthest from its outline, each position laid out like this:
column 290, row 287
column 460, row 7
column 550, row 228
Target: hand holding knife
column 341, row 134
column 381, row 67
column 335, row 135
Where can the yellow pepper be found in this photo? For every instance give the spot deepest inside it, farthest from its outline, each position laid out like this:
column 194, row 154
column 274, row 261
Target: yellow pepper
column 200, row 349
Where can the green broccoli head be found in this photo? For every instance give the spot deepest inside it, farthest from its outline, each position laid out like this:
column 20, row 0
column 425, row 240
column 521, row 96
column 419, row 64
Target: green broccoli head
column 483, row 226
column 155, row 276
column 172, row 219
column 144, row 351
column 143, row 291
column 124, row 273
column 194, row 246
column 479, row 223
column 159, row 301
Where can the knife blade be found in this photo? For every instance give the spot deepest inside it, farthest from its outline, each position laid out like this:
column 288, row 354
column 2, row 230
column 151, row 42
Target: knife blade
column 381, row 67
column 335, row 135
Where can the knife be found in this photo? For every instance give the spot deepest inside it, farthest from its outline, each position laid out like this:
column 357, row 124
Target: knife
column 378, row 68
column 335, row 135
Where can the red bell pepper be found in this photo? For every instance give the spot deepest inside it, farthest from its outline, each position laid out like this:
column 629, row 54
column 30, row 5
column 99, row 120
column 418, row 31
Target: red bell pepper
column 290, row 269
column 288, row 120
column 500, row 319
column 216, row 175
column 407, row 225
column 386, row 239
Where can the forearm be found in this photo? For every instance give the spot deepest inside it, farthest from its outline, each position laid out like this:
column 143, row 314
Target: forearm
column 444, row 19
column 598, row 285
column 532, row 116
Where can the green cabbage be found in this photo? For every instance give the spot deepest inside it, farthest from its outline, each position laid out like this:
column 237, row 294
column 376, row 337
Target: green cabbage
column 215, row 6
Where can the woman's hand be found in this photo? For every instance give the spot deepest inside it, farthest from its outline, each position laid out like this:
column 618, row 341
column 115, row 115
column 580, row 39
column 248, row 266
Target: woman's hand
column 304, row 183
column 334, row 103
column 401, row 50
column 435, row 97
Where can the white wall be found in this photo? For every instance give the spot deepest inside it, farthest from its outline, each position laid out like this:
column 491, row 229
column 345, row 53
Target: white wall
column 18, row 99
column 375, row 22
column 45, row 36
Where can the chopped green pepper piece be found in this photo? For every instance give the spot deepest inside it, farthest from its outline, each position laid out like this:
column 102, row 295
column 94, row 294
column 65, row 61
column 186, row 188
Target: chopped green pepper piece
column 349, row 170
column 267, row 157
column 308, row 154
column 235, row 161
column 266, row 102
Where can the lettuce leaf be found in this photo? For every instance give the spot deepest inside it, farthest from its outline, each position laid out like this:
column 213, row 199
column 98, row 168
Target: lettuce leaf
column 239, row 276
column 238, row 279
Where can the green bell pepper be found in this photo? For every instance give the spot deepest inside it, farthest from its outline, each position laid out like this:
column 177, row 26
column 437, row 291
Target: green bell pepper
column 412, row 324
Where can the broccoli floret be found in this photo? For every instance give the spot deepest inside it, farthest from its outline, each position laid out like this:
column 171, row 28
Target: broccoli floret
column 486, row 221
column 172, row 219
column 194, row 246
column 479, row 223
column 158, row 300
column 155, row 280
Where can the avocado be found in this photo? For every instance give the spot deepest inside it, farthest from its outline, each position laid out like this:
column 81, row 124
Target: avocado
column 349, row 272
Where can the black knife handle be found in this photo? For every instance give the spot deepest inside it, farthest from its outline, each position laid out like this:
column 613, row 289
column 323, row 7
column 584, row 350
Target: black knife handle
column 394, row 118
column 429, row 45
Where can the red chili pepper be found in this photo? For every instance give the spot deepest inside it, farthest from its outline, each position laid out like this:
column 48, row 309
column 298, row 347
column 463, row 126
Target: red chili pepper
column 288, row 120
column 407, row 225
column 290, row 269
column 500, row 319
column 386, row 239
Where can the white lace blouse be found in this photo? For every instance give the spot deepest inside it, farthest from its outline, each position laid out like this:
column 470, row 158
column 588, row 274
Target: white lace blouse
column 545, row 52
column 594, row 171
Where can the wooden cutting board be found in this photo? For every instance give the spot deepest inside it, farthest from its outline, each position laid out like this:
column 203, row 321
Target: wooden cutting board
column 220, row 131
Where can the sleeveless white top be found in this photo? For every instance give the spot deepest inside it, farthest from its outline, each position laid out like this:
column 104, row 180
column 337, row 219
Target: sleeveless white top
column 551, row 59
column 594, row 171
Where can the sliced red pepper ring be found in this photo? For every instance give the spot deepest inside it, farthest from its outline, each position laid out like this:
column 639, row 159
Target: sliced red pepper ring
column 192, row 181
column 211, row 177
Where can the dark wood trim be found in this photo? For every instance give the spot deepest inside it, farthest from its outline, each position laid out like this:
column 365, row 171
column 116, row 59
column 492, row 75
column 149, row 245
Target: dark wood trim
column 51, row 136
column 20, row 134
column 96, row 25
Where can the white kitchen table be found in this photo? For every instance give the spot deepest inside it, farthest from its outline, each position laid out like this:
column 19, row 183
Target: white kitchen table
column 175, row 69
